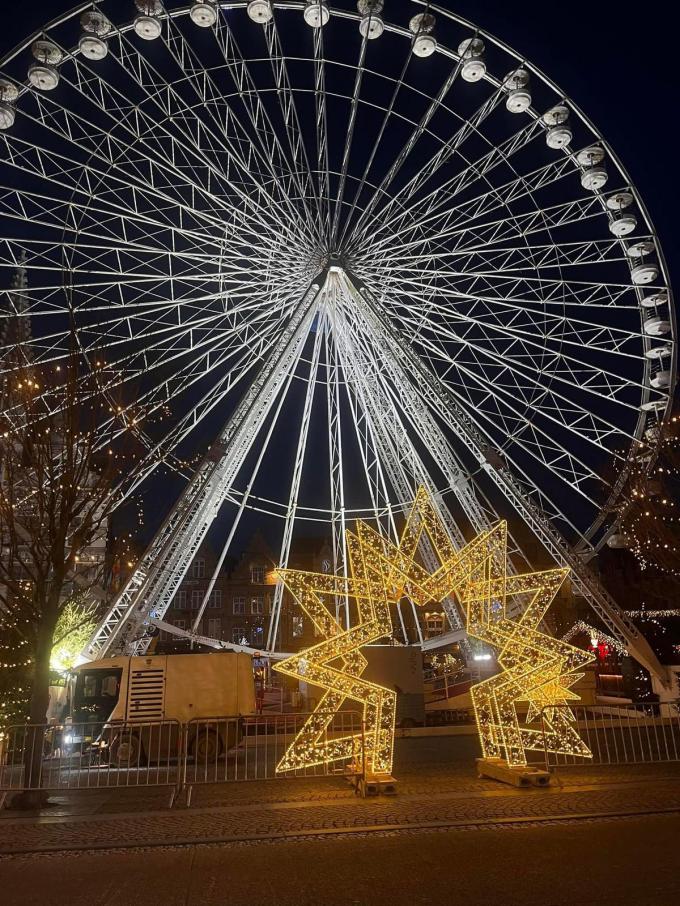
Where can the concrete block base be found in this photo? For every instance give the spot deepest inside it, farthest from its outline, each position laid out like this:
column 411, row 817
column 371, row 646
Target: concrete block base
column 522, row 775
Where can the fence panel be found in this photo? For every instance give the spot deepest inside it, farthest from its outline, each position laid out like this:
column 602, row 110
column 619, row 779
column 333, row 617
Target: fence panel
column 642, row 733
column 90, row 755
column 234, row 749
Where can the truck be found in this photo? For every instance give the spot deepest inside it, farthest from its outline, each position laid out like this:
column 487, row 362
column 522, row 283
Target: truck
column 134, row 706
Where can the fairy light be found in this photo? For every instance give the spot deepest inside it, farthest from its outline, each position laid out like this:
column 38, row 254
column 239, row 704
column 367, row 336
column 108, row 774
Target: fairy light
column 535, row 668
column 336, row 664
column 650, row 520
column 597, row 636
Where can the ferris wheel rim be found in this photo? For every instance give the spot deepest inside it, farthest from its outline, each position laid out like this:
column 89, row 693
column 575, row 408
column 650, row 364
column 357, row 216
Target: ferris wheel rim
column 176, row 13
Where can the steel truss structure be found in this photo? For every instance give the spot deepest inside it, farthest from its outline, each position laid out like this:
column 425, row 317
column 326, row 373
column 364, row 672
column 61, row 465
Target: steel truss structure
column 416, row 248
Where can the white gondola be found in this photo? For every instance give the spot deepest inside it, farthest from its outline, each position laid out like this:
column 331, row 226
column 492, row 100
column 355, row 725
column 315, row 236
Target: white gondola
column 422, row 26
column 316, row 13
column 655, row 300
column 594, row 175
column 203, row 14
column 623, row 225
column 8, row 95
column 559, row 132
column 260, row 11
column 43, row 74
column 644, row 273
column 92, row 42
column 519, row 96
column 661, row 380
column 147, row 23
column 619, row 201
column 640, row 249
column 656, row 353
column 473, row 67
column 371, row 25
column 657, row 327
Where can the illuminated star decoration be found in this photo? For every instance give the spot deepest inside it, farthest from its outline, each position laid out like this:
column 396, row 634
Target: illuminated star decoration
column 380, row 573
column 537, row 669
column 336, row 664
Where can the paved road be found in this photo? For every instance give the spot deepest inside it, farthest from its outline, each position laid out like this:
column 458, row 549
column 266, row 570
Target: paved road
column 631, row 862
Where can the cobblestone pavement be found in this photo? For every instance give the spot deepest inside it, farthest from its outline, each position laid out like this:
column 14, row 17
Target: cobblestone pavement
column 435, row 788
column 631, row 862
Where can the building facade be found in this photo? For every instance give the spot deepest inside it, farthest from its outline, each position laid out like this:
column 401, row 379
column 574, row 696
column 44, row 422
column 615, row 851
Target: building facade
column 239, row 607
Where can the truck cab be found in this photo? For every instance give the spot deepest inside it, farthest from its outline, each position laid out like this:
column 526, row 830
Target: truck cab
column 132, row 702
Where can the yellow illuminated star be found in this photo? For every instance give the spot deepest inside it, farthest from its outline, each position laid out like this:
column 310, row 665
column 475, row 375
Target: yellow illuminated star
column 336, row 664
column 537, row 669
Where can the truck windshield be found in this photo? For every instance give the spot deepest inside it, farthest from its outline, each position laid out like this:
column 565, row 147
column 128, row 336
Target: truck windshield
column 96, row 694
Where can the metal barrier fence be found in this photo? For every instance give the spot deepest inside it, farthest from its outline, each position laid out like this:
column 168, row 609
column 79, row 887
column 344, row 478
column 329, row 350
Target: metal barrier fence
column 163, row 753
column 641, row 733
column 234, row 749
column 90, row 755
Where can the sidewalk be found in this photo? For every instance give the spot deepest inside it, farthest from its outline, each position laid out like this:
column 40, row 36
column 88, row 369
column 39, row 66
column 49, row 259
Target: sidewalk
column 435, row 796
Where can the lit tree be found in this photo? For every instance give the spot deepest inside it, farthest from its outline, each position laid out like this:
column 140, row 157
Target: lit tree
column 651, row 523
column 55, row 500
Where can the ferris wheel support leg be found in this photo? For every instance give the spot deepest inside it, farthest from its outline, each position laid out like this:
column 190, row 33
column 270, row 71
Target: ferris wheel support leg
column 244, row 500
column 443, row 403
column 336, row 475
column 401, row 461
column 154, row 582
column 295, row 487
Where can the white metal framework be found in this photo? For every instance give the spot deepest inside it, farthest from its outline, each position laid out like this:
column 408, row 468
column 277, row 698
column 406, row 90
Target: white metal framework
column 270, row 227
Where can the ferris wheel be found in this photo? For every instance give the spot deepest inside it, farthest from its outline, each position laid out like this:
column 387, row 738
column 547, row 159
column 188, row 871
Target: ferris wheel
column 362, row 254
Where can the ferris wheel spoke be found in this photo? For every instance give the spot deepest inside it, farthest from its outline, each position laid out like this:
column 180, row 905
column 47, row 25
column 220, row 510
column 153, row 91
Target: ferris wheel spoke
column 160, row 174
column 499, row 296
column 508, row 259
column 495, row 402
column 434, row 164
column 513, row 352
column 354, row 205
column 261, row 121
column 558, row 407
column 289, row 111
column 132, row 196
column 574, row 371
column 443, row 210
column 381, row 192
column 212, row 99
column 322, row 136
column 534, row 223
column 349, row 138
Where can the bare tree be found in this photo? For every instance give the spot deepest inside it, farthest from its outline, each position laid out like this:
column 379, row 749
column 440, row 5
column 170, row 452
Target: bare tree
column 55, row 499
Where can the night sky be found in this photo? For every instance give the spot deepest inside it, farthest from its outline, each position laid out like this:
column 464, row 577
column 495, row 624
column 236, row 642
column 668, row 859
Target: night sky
column 621, row 70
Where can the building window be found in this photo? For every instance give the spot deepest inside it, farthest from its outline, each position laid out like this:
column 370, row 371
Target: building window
column 196, row 598
column 216, row 597
column 298, row 626
column 325, row 566
column 434, row 623
column 239, row 605
column 257, row 575
column 180, row 624
column 214, row 627
column 198, row 569
column 182, row 598
column 256, row 636
column 257, row 605
column 238, row 636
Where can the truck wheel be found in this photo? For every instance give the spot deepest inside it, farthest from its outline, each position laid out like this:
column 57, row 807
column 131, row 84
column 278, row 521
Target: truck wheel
column 206, row 746
column 127, row 751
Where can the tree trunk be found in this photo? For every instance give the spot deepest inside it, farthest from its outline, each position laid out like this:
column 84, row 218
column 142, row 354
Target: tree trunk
column 33, row 796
